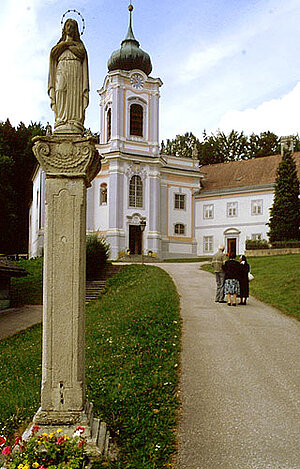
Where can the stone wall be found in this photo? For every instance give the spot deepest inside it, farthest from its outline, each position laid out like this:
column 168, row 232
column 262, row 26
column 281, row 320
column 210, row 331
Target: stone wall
column 271, row 252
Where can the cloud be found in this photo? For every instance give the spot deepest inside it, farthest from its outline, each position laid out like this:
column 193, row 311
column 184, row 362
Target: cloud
column 280, row 116
column 23, row 78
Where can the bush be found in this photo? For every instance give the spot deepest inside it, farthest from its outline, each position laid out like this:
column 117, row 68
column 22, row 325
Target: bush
column 257, row 244
column 293, row 243
column 97, row 254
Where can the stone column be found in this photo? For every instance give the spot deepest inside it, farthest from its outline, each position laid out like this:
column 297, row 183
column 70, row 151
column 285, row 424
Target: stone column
column 70, row 162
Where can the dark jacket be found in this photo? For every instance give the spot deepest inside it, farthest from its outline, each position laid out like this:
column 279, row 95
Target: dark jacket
column 244, row 281
column 232, row 269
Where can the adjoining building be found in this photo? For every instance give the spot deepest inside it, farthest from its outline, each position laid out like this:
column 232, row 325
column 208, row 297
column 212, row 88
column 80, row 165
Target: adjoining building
column 143, row 200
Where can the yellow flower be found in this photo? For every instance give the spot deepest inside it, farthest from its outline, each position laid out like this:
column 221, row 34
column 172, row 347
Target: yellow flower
column 51, row 435
column 26, row 466
column 20, row 466
column 44, row 434
column 35, row 464
column 59, row 430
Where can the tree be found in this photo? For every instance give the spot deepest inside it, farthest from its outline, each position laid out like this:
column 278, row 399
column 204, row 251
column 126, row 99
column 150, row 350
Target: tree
column 265, row 144
column 285, row 211
column 16, row 168
column 182, row 145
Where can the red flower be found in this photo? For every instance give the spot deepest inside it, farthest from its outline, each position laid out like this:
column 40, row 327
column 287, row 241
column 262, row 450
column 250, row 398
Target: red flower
column 60, row 440
column 35, row 429
column 2, row 440
column 81, row 429
column 6, row 450
column 17, row 440
column 81, row 443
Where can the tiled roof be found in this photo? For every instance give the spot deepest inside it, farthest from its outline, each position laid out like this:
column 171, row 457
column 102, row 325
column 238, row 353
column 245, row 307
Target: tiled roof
column 243, row 173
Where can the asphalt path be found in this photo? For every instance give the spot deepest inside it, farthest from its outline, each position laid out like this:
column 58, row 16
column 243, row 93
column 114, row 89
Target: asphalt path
column 240, row 380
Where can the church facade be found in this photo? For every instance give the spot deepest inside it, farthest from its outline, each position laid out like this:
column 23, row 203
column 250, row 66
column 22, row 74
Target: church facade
column 145, row 201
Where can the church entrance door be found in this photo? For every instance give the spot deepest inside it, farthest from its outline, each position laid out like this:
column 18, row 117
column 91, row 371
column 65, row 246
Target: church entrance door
column 231, row 245
column 135, row 239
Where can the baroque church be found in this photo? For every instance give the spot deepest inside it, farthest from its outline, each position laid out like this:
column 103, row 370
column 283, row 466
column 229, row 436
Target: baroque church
column 145, row 201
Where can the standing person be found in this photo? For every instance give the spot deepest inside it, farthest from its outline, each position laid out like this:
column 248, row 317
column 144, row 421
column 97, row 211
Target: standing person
column 244, row 280
column 232, row 270
column 218, row 261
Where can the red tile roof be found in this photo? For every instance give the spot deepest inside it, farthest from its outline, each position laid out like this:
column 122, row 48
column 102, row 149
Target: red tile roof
column 243, row 173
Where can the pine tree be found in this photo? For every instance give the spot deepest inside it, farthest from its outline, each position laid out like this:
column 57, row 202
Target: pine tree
column 285, row 211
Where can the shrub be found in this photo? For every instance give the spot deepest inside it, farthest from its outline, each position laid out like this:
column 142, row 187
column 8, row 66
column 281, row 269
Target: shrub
column 97, row 254
column 294, row 243
column 257, row 244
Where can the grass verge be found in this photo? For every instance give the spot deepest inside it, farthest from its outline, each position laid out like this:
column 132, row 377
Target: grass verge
column 276, row 281
column 28, row 290
column 133, row 346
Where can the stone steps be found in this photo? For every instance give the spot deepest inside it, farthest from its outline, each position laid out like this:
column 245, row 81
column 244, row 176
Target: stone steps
column 94, row 288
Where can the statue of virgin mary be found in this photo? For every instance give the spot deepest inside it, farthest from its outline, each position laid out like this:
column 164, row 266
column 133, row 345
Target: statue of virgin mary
column 68, row 85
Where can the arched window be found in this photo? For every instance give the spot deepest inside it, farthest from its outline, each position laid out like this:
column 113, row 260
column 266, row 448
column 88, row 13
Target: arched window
column 136, row 120
column 108, row 122
column 103, row 194
column 135, row 192
column 179, row 229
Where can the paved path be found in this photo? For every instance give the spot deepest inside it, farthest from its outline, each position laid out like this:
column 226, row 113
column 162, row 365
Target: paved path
column 13, row 320
column 240, row 380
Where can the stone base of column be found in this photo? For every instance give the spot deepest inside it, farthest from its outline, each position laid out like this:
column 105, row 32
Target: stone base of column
column 95, row 431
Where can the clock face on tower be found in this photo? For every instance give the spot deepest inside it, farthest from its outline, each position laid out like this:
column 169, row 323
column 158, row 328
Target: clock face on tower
column 137, row 81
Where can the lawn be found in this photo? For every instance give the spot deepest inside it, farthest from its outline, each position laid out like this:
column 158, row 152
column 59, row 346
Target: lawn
column 132, row 362
column 28, row 290
column 276, row 281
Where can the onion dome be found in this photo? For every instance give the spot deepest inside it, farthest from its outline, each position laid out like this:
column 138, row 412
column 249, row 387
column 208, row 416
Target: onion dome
column 130, row 56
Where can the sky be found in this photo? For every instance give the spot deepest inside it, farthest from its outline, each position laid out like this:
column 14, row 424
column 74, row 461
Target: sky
column 225, row 64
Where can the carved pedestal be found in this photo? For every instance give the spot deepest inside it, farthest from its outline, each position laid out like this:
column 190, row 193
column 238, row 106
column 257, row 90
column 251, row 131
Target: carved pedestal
column 70, row 163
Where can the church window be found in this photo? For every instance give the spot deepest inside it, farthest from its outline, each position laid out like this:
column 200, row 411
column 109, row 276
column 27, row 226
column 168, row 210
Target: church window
column 103, row 194
column 208, row 244
column 256, row 236
column 135, row 192
column 136, row 120
column 179, row 201
column 257, row 207
column 108, row 122
column 232, row 209
column 208, row 211
column 179, row 229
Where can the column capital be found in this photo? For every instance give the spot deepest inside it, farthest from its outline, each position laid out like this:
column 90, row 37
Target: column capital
column 66, row 156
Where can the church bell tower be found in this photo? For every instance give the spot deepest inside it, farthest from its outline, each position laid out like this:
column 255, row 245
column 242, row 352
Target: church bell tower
column 129, row 143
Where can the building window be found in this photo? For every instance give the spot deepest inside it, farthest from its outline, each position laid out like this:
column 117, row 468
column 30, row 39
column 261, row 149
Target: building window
column 179, row 201
column 179, row 229
column 256, row 236
column 103, row 194
column 256, row 207
column 232, row 209
column 135, row 192
column 108, row 122
column 208, row 211
column 208, row 244
column 136, row 120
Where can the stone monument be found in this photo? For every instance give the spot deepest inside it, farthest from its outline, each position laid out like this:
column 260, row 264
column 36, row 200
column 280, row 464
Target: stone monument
column 70, row 162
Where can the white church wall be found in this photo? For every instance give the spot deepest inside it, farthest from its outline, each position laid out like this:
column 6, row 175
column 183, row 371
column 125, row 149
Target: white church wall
column 37, row 215
column 240, row 216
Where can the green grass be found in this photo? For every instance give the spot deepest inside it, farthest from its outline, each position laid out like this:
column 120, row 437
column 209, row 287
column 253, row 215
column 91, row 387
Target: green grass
column 28, row 290
column 133, row 347
column 276, row 281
